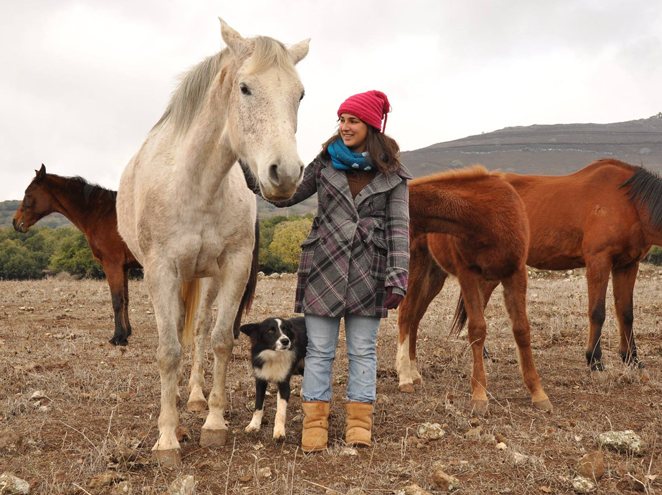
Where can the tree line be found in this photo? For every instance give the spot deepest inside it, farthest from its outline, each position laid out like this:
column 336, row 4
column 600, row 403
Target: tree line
column 45, row 251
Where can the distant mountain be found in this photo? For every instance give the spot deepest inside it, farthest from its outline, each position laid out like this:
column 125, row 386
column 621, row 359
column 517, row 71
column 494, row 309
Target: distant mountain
column 536, row 149
column 546, row 149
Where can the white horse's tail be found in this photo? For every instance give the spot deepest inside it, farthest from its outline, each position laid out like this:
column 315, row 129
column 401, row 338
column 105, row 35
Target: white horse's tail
column 191, row 294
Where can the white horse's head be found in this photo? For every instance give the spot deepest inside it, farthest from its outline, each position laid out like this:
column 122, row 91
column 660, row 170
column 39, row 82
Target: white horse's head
column 263, row 101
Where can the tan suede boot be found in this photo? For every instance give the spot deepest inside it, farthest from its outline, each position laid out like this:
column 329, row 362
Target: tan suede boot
column 315, row 433
column 358, row 423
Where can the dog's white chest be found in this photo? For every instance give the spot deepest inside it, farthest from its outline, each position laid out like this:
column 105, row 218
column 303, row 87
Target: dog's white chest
column 276, row 365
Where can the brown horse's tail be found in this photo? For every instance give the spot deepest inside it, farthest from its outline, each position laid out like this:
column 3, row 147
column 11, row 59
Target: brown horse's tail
column 191, row 295
column 459, row 318
column 645, row 190
column 249, row 292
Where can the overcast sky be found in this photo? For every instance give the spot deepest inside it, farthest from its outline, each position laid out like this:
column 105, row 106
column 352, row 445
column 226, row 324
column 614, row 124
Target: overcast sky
column 82, row 82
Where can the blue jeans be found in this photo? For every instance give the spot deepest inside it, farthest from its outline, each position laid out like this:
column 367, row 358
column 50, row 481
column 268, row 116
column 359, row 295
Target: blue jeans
column 361, row 337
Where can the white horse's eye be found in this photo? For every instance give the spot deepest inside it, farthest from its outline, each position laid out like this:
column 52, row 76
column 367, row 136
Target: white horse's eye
column 245, row 89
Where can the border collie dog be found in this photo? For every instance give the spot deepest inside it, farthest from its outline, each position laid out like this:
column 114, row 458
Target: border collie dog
column 278, row 348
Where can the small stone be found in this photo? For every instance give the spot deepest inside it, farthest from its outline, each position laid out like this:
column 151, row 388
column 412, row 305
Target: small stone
column 245, row 478
column 474, row 433
column 264, row 472
column 105, row 479
column 430, row 431
column 414, row 489
column 38, row 395
column 11, row 485
column 183, row 485
column 443, row 481
column 583, row 485
column 621, row 441
column 349, row 451
column 592, row 465
column 501, row 446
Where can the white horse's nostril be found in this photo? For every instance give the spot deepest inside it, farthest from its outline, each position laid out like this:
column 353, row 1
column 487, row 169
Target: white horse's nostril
column 273, row 174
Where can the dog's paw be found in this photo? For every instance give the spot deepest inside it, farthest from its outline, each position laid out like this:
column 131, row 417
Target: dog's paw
column 252, row 428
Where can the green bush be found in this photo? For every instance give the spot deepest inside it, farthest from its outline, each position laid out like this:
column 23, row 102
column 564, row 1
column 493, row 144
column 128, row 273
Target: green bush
column 18, row 262
column 655, row 255
column 74, row 256
column 280, row 242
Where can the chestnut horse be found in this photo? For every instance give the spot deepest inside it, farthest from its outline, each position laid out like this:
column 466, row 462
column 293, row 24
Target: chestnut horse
column 469, row 223
column 92, row 209
column 604, row 217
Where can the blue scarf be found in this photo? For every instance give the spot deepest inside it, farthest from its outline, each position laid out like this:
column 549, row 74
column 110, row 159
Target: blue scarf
column 345, row 159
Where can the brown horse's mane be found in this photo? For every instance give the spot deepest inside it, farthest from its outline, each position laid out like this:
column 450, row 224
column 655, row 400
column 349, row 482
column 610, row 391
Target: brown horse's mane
column 101, row 199
column 646, row 191
column 470, row 172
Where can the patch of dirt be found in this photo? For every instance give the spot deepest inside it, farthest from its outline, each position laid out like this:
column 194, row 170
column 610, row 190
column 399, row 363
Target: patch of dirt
column 92, row 424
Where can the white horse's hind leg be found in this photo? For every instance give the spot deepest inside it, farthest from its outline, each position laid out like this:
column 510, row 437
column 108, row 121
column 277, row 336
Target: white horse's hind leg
column 235, row 270
column 169, row 312
column 196, row 400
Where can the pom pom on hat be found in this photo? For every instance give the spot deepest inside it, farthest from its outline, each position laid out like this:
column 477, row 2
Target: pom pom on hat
column 371, row 107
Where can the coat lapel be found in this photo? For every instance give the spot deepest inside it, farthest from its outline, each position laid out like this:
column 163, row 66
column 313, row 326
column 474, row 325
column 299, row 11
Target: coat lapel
column 382, row 183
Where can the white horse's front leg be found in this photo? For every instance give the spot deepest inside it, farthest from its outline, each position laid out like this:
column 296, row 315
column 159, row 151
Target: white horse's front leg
column 196, row 400
column 235, row 271
column 169, row 312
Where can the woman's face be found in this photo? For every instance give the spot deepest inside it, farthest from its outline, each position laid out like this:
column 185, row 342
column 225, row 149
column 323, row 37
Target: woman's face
column 353, row 132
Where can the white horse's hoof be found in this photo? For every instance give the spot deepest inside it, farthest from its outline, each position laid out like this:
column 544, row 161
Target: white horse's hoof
column 407, row 388
column 169, row 458
column 213, row 438
column 479, row 407
column 544, row 405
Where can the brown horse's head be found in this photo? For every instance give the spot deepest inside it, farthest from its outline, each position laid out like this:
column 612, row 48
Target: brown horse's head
column 35, row 205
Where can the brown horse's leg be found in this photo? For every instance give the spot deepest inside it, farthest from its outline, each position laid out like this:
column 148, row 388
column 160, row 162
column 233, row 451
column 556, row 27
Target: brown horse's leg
column 116, row 277
column 477, row 328
column 623, row 280
column 426, row 279
column 597, row 276
column 125, row 310
column 514, row 293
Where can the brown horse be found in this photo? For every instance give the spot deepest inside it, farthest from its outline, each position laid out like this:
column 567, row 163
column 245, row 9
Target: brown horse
column 92, row 209
column 471, row 224
column 605, row 217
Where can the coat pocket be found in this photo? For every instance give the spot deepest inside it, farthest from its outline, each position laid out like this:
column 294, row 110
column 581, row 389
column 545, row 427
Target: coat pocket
column 379, row 254
column 307, row 253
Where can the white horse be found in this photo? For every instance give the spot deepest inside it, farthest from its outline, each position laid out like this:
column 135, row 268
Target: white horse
column 184, row 209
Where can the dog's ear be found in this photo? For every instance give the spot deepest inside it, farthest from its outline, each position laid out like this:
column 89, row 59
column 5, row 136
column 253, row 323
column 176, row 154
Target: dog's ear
column 250, row 329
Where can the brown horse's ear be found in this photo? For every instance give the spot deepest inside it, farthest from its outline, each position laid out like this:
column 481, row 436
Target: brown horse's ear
column 41, row 172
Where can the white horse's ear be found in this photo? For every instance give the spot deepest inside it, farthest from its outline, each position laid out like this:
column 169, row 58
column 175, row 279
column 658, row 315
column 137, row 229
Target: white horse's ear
column 232, row 38
column 299, row 51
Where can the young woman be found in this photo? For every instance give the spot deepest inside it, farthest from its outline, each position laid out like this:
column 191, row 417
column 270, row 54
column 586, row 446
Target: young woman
column 354, row 264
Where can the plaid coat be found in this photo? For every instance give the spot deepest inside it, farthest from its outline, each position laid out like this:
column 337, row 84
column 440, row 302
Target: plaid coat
column 357, row 246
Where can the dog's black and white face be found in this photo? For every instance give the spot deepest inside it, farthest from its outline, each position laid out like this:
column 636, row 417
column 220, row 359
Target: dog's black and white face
column 278, row 347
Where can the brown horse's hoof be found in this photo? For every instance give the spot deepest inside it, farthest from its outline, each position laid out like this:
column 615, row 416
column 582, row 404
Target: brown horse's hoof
column 407, row 388
column 213, row 438
column 196, row 406
column 479, row 407
column 170, row 458
column 544, row 405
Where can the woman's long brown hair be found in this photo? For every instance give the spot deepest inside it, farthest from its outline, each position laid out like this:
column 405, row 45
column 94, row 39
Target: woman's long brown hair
column 383, row 150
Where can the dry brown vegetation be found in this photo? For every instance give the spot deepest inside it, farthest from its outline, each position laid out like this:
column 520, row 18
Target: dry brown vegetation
column 92, row 427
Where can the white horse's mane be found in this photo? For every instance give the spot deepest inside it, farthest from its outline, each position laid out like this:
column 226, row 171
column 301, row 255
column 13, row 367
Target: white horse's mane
column 187, row 99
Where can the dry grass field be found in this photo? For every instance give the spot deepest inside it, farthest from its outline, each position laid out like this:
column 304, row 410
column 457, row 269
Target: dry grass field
column 78, row 416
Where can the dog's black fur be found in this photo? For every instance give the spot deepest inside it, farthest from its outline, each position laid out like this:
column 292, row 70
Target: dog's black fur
column 278, row 349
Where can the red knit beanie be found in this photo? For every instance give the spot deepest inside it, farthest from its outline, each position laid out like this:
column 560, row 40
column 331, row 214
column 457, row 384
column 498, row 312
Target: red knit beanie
column 370, row 107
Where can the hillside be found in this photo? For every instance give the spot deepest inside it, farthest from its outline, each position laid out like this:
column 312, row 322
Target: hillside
column 537, row 149
column 546, row 149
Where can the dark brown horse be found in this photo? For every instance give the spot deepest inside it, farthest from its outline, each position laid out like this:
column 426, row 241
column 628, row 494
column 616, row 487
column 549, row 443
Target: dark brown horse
column 605, row 217
column 92, row 209
column 471, row 224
